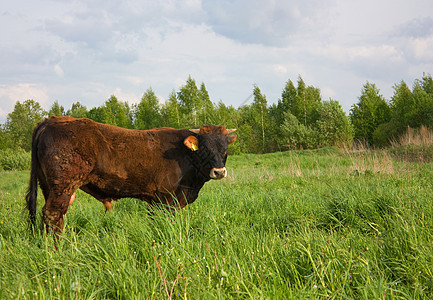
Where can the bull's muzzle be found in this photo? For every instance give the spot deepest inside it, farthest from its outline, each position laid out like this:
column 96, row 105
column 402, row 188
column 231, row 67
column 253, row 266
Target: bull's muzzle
column 218, row 173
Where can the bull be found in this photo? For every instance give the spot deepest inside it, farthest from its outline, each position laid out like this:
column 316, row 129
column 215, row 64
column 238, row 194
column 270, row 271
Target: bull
column 165, row 165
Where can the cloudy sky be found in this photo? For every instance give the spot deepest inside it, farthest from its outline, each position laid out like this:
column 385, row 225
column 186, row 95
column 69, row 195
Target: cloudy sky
column 87, row 50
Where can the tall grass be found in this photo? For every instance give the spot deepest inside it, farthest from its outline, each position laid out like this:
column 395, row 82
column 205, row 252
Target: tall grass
column 414, row 145
column 299, row 224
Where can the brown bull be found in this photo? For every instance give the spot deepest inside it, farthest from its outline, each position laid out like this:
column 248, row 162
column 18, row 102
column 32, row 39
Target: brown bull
column 164, row 165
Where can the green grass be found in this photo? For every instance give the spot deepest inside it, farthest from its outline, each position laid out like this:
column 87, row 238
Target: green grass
column 301, row 224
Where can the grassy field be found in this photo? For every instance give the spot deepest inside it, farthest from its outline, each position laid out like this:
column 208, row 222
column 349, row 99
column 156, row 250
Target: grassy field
column 318, row 224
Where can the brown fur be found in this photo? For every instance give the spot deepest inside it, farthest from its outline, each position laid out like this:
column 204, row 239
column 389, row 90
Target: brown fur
column 110, row 163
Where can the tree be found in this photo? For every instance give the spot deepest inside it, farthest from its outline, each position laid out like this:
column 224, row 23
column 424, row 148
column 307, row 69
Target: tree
column 371, row 111
column 408, row 108
column 56, row 109
column 259, row 120
column 333, row 126
column 230, row 118
column 207, row 109
column 297, row 135
column 300, row 102
column 148, row 114
column 427, row 84
column 97, row 114
column 402, row 105
column 113, row 112
column 422, row 112
column 77, row 111
column 21, row 121
column 189, row 103
column 117, row 113
column 227, row 116
column 277, row 141
column 170, row 112
column 5, row 139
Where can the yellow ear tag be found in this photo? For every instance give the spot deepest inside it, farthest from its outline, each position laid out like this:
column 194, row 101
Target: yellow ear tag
column 194, row 147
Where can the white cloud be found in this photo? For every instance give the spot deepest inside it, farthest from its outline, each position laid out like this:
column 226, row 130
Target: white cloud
column 422, row 49
column 280, row 69
column 415, row 28
column 87, row 50
column 123, row 96
column 59, row 71
column 9, row 95
column 352, row 53
column 273, row 22
column 327, row 92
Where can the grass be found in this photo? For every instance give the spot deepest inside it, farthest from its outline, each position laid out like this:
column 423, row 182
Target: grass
column 319, row 224
column 414, row 145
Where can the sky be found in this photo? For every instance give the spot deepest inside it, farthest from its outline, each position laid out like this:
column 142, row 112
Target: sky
column 88, row 50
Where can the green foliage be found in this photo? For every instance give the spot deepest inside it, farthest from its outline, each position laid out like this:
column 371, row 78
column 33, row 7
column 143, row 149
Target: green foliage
column 194, row 106
column 206, row 114
column 288, row 225
column 371, row 111
column 189, row 103
column 332, row 125
column 408, row 108
column 402, row 106
column 385, row 132
column 77, row 111
column 113, row 112
column 147, row 114
column 301, row 102
column 259, row 120
column 117, row 113
column 6, row 141
column 298, row 136
column 299, row 120
column 14, row 160
column 170, row 112
column 21, row 121
column 56, row 109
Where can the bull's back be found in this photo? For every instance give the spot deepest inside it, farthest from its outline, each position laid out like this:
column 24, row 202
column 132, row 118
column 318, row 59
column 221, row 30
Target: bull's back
column 114, row 159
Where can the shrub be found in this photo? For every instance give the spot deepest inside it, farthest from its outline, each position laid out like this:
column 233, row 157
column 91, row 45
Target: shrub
column 14, row 160
column 297, row 135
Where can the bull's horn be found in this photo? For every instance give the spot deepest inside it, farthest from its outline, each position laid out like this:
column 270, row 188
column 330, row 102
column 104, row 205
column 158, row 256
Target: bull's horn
column 196, row 131
column 230, row 131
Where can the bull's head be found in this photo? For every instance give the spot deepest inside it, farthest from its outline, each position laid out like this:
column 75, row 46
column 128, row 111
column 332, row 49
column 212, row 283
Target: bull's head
column 210, row 144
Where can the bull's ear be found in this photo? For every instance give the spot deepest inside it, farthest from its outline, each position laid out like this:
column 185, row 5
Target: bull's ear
column 231, row 138
column 191, row 142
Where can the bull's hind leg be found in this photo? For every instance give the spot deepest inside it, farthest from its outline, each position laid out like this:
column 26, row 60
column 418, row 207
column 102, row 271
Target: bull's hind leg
column 54, row 210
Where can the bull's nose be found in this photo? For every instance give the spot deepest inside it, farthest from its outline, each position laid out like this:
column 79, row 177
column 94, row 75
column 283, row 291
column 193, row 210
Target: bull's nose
column 218, row 173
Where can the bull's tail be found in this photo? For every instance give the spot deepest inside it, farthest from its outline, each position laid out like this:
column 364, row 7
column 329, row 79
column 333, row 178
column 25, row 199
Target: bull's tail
column 32, row 191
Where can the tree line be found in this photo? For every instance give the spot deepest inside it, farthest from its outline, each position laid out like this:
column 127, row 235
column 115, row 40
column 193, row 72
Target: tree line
column 300, row 119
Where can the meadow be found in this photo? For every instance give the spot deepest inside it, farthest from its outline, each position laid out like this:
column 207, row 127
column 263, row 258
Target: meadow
column 316, row 224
